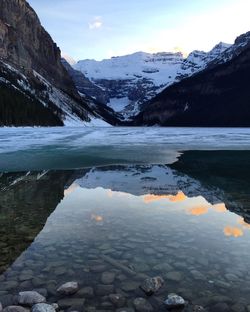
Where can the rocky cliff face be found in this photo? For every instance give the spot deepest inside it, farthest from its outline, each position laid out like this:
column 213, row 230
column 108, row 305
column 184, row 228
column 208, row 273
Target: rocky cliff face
column 217, row 96
column 25, row 44
column 35, row 88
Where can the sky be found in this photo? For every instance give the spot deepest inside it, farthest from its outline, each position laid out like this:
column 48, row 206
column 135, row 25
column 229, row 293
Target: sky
column 99, row 29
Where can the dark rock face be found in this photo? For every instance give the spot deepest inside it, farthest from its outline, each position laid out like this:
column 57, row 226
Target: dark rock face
column 26, row 44
column 218, row 96
column 35, row 88
column 84, row 85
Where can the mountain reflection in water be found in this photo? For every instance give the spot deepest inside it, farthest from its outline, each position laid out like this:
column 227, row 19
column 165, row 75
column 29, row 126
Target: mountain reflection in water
column 185, row 222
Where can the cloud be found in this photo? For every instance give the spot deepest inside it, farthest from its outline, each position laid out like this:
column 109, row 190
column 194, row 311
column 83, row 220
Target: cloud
column 96, row 23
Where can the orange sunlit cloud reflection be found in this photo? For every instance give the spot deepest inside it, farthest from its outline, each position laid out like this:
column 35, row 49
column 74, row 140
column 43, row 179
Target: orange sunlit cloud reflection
column 96, row 218
column 233, row 231
column 180, row 196
column 198, row 211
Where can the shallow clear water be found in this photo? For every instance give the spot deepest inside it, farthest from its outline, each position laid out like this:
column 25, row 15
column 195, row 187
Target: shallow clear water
column 187, row 222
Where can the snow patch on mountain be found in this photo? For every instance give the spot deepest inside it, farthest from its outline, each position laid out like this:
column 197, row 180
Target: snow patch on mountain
column 131, row 80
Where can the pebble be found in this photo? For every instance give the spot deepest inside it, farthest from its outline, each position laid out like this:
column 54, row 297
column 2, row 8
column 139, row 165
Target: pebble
column 163, row 267
column 87, row 292
column 174, row 276
column 98, row 268
column 69, row 288
column 75, row 303
column 152, row 285
column 43, row 307
column 103, row 290
column 149, row 251
column 118, row 300
column 220, row 307
column 174, row 301
column 142, row 305
column 129, row 285
column 30, row 298
column 107, row 278
column 238, row 307
column 125, row 310
column 55, row 306
column 197, row 308
column 15, row 309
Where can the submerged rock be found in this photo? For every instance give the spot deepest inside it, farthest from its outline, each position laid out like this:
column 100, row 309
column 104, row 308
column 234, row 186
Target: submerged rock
column 141, row 305
column 1, row 307
column 30, row 298
column 174, row 301
column 15, row 309
column 103, row 290
column 117, row 299
column 125, row 310
column 152, row 285
column 87, row 292
column 108, row 278
column 55, row 306
column 174, row 276
column 42, row 307
column 129, row 286
column 69, row 288
column 74, row 303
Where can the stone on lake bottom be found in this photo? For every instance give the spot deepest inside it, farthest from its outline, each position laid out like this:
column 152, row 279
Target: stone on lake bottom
column 152, row 285
column 118, row 300
column 174, row 276
column 125, row 310
column 30, row 298
column 107, row 278
column 141, row 305
column 15, row 309
column 69, row 288
column 174, row 301
column 86, row 292
column 42, row 307
column 75, row 303
column 104, row 290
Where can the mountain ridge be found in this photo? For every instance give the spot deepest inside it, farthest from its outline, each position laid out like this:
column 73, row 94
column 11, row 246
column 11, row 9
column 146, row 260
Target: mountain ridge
column 131, row 80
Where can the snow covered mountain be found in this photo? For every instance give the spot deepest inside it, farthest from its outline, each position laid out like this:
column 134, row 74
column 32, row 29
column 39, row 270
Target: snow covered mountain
column 131, row 80
column 217, row 96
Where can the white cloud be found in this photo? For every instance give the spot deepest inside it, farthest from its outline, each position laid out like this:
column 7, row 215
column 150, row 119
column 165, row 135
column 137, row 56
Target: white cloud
column 96, row 23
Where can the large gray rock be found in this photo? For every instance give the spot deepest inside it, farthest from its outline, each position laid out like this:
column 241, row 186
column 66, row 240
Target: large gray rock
column 43, row 307
column 152, row 285
column 174, row 301
column 69, row 288
column 30, row 298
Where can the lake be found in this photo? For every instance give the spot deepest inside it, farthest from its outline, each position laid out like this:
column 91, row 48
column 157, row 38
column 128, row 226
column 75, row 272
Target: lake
column 111, row 207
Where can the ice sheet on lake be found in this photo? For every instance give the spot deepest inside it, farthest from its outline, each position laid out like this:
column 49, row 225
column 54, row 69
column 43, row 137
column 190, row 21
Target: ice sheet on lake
column 55, row 148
